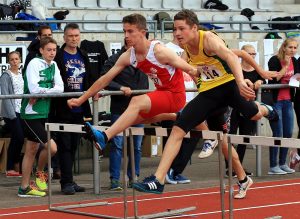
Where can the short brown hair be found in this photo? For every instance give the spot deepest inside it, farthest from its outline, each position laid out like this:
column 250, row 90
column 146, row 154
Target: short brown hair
column 43, row 27
column 136, row 19
column 189, row 16
column 47, row 40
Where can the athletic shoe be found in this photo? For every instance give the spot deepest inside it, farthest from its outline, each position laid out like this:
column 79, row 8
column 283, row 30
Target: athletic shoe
column 180, row 179
column 78, row 188
column 286, row 169
column 170, row 177
column 96, row 136
column 233, row 174
column 115, row 185
column 276, row 171
column 68, row 189
column 243, row 187
column 293, row 159
column 30, row 191
column 13, row 173
column 273, row 114
column 41, row 180
column 149, row 185
column 208, row 148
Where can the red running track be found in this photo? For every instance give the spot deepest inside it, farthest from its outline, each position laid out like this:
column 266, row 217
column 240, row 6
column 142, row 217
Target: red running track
column 267, row 199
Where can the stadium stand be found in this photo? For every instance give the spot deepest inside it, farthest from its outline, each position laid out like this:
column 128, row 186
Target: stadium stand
column 219, row 17
column 249, row 4
column 238, row 17
column 94, row 26
column 131, row 4
column 152, row 4
column 232, row 4
column 192, row 4
column 64, row 4
column 87, row 3
column 172, row 4
column 114, row 17
column 108, row 4
column 265, row 4
column 260, row 18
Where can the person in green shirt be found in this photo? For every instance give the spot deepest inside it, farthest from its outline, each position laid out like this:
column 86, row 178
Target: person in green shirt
column 42, row 76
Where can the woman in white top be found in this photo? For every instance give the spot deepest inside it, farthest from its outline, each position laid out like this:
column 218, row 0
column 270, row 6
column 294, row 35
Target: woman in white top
column 11, row 82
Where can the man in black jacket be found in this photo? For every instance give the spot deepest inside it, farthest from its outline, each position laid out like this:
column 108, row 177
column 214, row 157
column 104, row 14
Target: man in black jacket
column 77, row 77
column 129, row 79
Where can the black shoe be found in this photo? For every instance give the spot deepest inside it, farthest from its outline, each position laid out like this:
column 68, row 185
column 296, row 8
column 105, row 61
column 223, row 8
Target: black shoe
column 149, row 185
column 248, row 173
column 233, row 174
column 68, row 189
column 78, row 188
column 215, row 4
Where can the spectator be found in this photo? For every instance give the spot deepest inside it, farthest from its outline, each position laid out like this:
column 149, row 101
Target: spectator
column 77, row 77
column 34, row 46
column 129, row 79
column 238, row 122
column 42, row 76
column 34, row 51
column 286, row 65
column 11, row 82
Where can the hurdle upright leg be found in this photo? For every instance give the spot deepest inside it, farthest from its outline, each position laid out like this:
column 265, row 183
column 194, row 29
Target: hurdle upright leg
column 230, row 177
column 125, row 161
column 221, row 174
column 132, row 163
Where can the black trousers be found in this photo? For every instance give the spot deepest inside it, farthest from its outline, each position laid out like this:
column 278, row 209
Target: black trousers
column 67, row 144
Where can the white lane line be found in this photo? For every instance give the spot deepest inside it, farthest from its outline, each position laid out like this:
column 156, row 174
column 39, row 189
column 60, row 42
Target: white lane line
column 168, row 197
column 236, row 209
column 23, row 212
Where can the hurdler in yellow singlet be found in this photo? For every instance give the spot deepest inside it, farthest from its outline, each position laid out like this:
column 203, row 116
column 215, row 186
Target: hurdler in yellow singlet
column 214, row 71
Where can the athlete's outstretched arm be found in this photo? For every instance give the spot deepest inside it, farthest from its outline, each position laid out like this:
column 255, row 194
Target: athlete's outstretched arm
column 167, row 56
column 103, row 81
column 264, row 74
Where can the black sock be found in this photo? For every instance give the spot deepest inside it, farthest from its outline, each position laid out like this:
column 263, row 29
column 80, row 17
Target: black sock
column 105, row 137
column 244, row 180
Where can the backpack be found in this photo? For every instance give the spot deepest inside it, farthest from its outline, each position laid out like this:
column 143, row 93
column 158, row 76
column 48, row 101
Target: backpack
column 285, row 26
column 7, row 13
column 248, row 13
column 163, row 16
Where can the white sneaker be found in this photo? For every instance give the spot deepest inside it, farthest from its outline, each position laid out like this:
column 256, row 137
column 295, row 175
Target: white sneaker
column 286, row 169
column 208, row 148
column 276, row 171
column 243, row 187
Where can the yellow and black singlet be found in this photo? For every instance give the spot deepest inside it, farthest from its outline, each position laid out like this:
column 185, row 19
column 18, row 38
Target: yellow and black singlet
column 214, row 71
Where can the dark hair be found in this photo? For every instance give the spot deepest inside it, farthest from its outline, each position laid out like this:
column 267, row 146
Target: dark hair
column 71, row 26
column 43, row 27
column 189, row 16
column 136, row 19
column 46, row 40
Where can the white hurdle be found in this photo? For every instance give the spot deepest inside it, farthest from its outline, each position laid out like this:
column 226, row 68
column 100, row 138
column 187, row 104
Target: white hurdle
column 157, row 131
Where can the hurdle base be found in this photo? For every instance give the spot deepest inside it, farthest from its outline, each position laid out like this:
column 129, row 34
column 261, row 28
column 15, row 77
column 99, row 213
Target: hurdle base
column 65, row 209
column 168, row 213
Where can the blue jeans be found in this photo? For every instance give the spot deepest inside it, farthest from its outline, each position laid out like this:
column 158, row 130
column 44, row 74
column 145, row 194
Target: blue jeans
column 116, row 152
column 282, row 128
